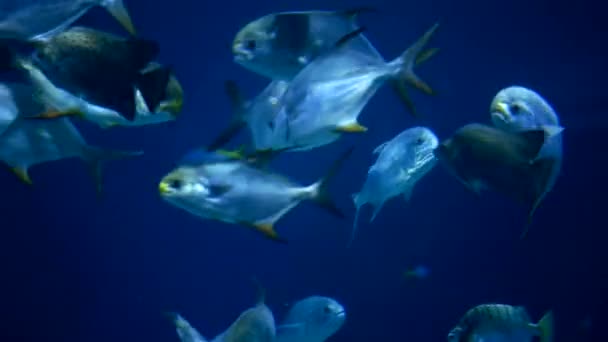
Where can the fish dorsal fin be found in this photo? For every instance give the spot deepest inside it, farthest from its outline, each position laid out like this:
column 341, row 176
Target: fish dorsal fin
column 534, row 141
column 200, row 156
column 353, row 13
column 380, row 148
column 348, row 37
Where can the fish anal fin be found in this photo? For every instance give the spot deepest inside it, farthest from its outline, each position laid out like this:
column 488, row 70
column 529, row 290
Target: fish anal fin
column 355, row 12
column 267, row 229
column 353, row 127
column 22, row 174
column 54, row 114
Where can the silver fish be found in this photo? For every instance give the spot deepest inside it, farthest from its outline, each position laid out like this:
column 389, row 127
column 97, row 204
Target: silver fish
column 401, row 163
column 325, row 99
column 501, row 323
column 38, row 20
column 279, row 45
column 517, row 109
column 216, row 187
column 257, row 114
column 312, row 319
column 27, row 142
column 255, row 324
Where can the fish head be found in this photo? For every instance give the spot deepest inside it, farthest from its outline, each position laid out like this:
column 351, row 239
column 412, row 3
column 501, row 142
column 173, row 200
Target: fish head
column 252, row 46
column 517, row 108
column 423, row 143
column 323, row 316
column 198, row 190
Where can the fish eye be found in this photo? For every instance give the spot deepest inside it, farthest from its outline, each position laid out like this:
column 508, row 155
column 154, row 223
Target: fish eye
column 327, row 310
column 419, row 141
column 515, row 108
column 250, row 44
column 176, row 184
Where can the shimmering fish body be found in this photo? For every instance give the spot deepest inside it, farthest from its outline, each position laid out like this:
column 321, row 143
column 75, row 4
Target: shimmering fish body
column 312, row 319
column 401, row 163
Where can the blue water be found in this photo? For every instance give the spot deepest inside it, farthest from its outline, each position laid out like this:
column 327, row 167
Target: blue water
column 78, row 268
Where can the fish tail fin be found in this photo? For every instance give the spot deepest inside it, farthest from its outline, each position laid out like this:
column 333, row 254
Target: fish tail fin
column 320, row 192
column 358, row 204
column 545, row 325
column 119, row 11
column 238, row 104
column 404, row 64
column 96, row 157
column 153, row 85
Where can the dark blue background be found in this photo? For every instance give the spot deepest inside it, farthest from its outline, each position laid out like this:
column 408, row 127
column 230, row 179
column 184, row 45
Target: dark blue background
column 75, row 268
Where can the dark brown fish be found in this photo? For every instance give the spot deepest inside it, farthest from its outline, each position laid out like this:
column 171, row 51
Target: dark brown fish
column 501, row 322
column 101, row 67
column 482, row 156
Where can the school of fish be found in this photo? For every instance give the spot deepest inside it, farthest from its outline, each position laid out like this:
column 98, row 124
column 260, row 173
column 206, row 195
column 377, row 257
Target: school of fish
column 321, row 71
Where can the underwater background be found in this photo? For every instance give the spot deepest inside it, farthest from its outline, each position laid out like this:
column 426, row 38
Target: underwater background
column 78, row 268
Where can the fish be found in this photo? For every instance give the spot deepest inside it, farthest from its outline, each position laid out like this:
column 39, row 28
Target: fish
column 218, row 187
column 185, row 331
column 255, row 324
column 326, row 98
column 401, row 163
column 501, row 323
column 257, row 114
column 39, row 20
column 279, row 45
column 312, row 319
column 25, row 142
column 516, row 109
column 418, row 272
column 98, row 66
column 484, row 157
column 158, row 98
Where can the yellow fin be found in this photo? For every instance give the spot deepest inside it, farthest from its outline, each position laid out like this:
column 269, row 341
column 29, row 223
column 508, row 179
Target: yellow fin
column 268, row 230
column 21, row 172
column 239, row 153
column 354, row 127
column 54, row 114
column 545, row 325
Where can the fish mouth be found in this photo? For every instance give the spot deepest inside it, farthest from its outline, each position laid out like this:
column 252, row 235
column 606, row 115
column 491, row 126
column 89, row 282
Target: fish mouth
column 500, row 111
column 240, row 53
column 341, row 313
column 164, row 188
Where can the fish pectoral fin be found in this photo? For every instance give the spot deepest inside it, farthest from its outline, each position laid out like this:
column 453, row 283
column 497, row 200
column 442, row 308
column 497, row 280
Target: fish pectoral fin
column 22, row 174
column 354, row 127
column 267, row 229
column 54, row 114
